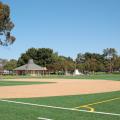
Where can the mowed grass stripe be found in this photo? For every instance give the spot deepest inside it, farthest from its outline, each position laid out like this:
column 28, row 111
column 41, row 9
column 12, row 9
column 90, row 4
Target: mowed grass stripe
column 15, row 83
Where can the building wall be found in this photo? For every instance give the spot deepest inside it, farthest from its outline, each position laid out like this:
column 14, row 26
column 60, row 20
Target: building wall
column 30, row 72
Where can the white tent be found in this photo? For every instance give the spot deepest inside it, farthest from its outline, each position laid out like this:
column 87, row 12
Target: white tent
column 76, row 72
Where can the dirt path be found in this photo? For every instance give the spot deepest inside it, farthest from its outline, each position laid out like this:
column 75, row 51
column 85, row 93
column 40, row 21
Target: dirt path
column 62, row 87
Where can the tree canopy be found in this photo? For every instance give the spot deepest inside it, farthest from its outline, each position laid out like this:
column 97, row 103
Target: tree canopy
column 10, row 65
column 48, row 58
column 87, row 62
column 109, row 61
column 55, row 63
column 6, row 25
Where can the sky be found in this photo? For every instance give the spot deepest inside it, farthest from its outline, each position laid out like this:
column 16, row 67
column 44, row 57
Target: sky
column 68, row 27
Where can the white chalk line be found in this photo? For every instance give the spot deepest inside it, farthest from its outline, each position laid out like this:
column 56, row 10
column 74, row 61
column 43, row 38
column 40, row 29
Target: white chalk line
column 40, row 118
column 61, row 108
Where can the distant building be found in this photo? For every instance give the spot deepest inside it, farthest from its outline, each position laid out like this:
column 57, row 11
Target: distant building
column 6, row 72
column 30, row 69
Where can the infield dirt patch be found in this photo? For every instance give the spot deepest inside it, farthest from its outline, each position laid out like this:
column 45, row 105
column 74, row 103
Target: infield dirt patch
column 61, row 87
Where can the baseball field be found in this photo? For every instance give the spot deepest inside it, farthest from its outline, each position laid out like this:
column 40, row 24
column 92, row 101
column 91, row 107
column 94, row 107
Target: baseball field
column 59, row 99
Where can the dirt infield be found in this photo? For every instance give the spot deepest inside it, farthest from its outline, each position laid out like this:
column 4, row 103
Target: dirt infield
column 61, row 87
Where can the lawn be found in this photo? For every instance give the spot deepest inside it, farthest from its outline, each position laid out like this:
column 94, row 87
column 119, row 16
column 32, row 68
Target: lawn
column 94, row 77
column 97, row 76
column 18, row 111
column 14, row 83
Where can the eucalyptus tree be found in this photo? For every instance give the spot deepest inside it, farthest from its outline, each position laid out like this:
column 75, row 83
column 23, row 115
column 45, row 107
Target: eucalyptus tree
column 110, row 55
column 6, row 25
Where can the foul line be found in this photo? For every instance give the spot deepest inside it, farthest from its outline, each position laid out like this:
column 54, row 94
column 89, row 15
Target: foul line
column 40, row 118
column 91, row 109
column 60, row 108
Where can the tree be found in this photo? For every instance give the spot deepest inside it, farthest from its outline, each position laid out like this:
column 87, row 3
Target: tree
column 23, row 59
column 6, row 25
column 41, row 56
column 117, row 64
column 110, row 55
column 48, row 58
column 2, row 63
column 80, row 58
column 11, row 65
column 44, row 56
column 90, row 62
column 61, row 64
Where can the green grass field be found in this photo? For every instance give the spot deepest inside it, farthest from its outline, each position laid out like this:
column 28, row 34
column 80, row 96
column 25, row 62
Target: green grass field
column 14, row 83
column 96, row 76
column 32, row 111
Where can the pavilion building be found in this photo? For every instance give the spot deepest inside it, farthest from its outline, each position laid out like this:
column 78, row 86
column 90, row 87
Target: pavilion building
column 30, row 69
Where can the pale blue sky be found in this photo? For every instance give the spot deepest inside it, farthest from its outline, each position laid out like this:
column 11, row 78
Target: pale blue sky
column 67, row 26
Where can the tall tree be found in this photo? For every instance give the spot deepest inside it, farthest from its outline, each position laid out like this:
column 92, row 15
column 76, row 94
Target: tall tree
column 110, row 55
column 80, row 58
column 6, row 25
